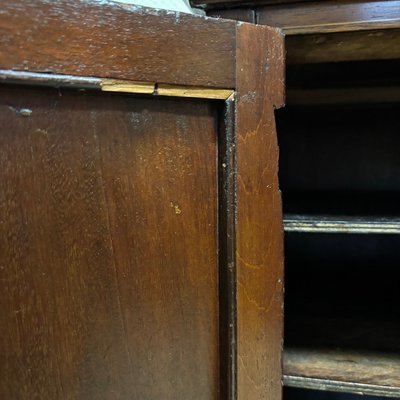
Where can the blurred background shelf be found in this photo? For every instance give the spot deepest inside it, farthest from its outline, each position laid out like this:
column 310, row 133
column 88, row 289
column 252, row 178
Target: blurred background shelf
column 345, row 224
column 366, row 373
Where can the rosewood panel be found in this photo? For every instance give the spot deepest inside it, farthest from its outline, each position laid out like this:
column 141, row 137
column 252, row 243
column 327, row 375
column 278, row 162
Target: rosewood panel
column 108, row 241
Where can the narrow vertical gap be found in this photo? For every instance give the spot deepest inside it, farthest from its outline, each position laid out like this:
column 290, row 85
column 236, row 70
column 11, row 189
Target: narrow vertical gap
column 227, row 250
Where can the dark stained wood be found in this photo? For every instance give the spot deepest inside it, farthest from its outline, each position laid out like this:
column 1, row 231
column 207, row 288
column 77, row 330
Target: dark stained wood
column 210, row 4
column 328, row 31
column 304, row 17
column 369, row 372
column 108, row 243
column 227, row 250
column 259, row 219
column 113, row 85
column 345, row 46
column 237, row 14
column 122, row 275
column 110, row 40
column 332, row 16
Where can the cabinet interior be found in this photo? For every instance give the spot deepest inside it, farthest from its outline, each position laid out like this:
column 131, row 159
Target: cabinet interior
column 339, row 139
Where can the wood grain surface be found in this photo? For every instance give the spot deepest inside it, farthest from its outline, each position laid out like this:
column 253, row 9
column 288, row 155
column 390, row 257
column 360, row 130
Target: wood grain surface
column 344, row 46
column 117, row 243
column 245, row 14
column 111, row 40
column 108, row 243
column 259, row 251
column 331, row 16
column 305, row 16
column 344, row 365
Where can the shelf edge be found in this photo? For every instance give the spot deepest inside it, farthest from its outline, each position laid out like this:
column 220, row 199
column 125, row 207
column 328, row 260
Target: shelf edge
column 340, row 386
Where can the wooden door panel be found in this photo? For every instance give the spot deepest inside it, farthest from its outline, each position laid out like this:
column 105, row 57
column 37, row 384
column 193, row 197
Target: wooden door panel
column 108, row 238
column 159, row 171
column 140, row 234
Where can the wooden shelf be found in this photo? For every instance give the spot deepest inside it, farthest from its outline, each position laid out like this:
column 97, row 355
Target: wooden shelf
column 343, row 371
column 325, row 224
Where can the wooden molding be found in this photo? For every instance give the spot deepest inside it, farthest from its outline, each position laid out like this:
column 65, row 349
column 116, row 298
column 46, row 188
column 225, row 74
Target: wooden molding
column 195, row 92
column 112, row 85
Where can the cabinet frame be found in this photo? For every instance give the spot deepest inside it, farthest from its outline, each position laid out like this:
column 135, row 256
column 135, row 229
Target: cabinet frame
column 121, row 48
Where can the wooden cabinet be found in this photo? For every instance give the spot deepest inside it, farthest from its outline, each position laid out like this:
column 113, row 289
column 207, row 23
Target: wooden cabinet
column 339, row 175
column 140, row 216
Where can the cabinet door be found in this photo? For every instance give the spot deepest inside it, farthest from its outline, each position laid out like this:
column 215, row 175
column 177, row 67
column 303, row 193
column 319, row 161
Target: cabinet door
column 140, row 217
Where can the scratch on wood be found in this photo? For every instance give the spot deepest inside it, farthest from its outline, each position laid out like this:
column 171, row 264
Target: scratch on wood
column 176, row 208
column 25, row 112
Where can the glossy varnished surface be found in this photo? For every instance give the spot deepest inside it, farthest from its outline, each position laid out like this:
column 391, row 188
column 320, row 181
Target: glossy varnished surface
column 108, row 247
column 113, row 40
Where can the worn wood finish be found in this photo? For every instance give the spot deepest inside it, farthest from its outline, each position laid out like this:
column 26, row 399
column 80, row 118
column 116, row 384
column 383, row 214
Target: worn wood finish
column 259, row 220
column 237, row 14
column 108, row 244
column 370, row 369
column 227, row 250
column 120, row 277
column 111, row 40
column 114, row 85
